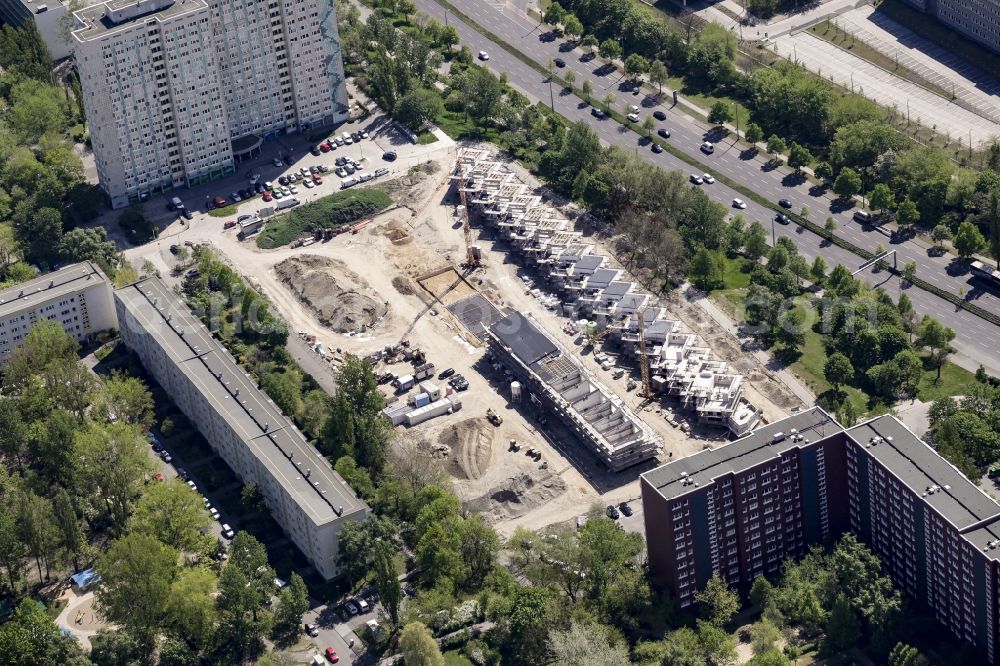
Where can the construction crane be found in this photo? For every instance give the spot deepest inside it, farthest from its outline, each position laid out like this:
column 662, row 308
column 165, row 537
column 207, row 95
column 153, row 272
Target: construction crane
column 471, row 251
column 647, row 388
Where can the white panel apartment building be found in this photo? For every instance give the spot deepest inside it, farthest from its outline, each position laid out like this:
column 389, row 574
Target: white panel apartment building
column 77, row 297
column 305, row 496
column 168, row 85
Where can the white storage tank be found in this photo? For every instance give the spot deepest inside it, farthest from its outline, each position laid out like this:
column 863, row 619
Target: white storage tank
column 515, row 391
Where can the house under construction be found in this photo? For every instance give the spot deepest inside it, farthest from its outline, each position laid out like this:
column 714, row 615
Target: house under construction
column 559, row 385
column 593, row 288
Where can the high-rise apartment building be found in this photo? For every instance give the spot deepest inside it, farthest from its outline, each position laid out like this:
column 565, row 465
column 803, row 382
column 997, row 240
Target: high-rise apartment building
column 177, row 91
column 49, row 16
column 77, row 297
column 740, row 509
column 305, row 496
column 978, row 20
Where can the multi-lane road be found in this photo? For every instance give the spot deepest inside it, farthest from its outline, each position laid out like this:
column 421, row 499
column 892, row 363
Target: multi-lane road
column 977, row 340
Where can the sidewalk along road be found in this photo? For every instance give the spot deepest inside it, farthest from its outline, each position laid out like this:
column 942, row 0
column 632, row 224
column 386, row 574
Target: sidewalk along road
column 976, row 338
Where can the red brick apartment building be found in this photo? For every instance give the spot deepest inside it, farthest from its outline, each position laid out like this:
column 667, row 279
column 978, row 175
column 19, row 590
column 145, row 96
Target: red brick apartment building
column 742, row 508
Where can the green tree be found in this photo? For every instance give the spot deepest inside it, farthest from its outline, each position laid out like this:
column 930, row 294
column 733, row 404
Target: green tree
column 968, row 241
column 940, row 234
column 776, row 145
column 777, row 258
column 823, row 171
column 635, row 65
column 417, row 645
column 799, row 156
column 838, row 371
column 764, row 635
column 848, row 183
column 818, row 270
column 523, row 623
column 585, row 643
column 994, row 224
column 589, row 42
column 357, row 426
column 881, row 197
column 610, row 49
column 719, row 601
column 648, row 124
column 842, row 629
column 791, row 328
column 293, row 602
column 907, row 213
column 357, row 478
column 754, row 134
column 937, row 338
column 357, row 541
column 245, row 586
column 417, row 108
column 31, row 638
column 37, row 530
column 136, row 573
column 481, row 92
column 587, row 88
column 554, row 14
column 830, row 226
column 572, row 26
column 40, row 234
column 120, row 452
column 437, row 555
column 903, row 655
column 755, row 245
column 478, row 546
column 706, row 270
column 123, row 398
column 69, row 530
column 658, row 74
column 608, row 100
column 910, row 271
column 386, row 576
column 190, row 605
column 172, row 513
column 720, row 113
column 772, row 657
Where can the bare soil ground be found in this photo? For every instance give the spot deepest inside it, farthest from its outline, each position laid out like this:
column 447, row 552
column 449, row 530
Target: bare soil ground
column 337, row 296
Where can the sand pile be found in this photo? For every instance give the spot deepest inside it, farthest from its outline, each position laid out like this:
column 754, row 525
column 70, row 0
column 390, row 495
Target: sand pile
column 470, row 443
column 518, row 495
column 336, row 295
column 403, row 285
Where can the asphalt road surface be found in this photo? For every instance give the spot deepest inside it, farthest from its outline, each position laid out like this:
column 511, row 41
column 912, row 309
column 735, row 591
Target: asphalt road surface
column 977, row 340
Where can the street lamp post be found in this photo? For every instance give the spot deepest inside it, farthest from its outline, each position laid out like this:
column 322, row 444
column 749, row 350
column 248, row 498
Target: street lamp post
column 552, row 99
column 773, row 240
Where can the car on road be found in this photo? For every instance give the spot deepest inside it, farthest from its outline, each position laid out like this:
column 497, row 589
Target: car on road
column 331, row 655
column 862, row 216
column 633, row 117
column 626, row 509
column 597, row 113
column 483, row 55
column 389, row 156
column 784, row 203
column 446, row 373
column 227, row 531
column 166, row 457
column 278, row 163
column 657, row 148
column 663, row 132
column 659, row 115
column 612, row 512
column 781, row 218
column 559, row 62
column 739, row 203
column 695, row 178
column 708, row 147
column 183, row 474
column 191, row 484
column 315, row 150
column 212, row 511
column 708, row 178
column 312, row 630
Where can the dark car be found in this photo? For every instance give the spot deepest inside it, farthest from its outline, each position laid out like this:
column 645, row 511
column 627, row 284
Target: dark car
column 181, row 472
column 657, row 148
column 663, row 132
column 456, row 379
column 187, row 214
column 388, row 156
column 559, row 62
column 784, row 203
column 462, row 385
column 597, row 113
column 613, row 512
column 659, row 115
column 445, row 374
column 781, row 218
column 315, row 150
column 259, row 187
column 174, row 249
column 356, row 137
column 220, row 202
column 626, row 509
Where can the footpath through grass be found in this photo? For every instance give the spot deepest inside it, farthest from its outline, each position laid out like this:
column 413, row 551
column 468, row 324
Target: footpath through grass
column 331, row 211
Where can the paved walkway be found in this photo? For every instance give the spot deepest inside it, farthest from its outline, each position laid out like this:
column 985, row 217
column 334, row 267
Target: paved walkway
column 78, row 606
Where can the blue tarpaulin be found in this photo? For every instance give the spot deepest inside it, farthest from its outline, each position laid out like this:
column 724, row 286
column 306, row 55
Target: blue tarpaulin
column 85, row 578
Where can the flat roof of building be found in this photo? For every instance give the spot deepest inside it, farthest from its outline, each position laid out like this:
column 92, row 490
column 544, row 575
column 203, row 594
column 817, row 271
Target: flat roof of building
column 526, row 341
column 48, row 286
column 589, row 262
column 688, row 474
column 939, row 483
column 270, row 435
column 96, row 20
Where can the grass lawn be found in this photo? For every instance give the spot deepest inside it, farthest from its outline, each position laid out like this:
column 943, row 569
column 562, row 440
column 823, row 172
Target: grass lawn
column 426, row 137
column 954, row 381
column 225, row 211
column 331, row 211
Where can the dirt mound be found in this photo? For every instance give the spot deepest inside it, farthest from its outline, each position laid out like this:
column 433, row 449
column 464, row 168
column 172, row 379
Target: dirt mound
column 518, row 495
column 403, row 285
column 339, row 297
column 470, row 443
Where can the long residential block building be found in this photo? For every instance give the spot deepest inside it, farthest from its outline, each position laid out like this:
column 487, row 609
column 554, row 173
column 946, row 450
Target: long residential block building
column 305, row 496
column 740, row 509
column 77, row 297
column 177, row 91
column 978, row 20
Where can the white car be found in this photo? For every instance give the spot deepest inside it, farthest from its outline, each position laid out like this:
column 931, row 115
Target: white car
column 277, row 194
column 293, row 189
column 708, row 178
column 363, row 606
column 707, row 147
column 739, row 203
column 364, row 134
column 308, row 184
column 214, row 513
column 633, row 117
column 227, row 531
column 483, row 55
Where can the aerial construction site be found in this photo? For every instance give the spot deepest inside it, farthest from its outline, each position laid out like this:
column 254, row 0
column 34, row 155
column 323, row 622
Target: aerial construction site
column 509, row 343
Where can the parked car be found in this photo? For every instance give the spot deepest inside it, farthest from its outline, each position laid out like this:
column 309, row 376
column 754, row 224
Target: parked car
column 633, row 117
column 191, row 485
column 278, row 163
column 183, row 474
column 331, row 655
column 351, row 607
column 229, row 224
column 227, row 531
column 389, row 156
column 266, row 196
column 308, row 184
column 626, row 509
column 315, row 150
column 446, row 373
column 381, row 172
column 559, row 62
column 312, row 630
column 212, row 511
column 219, row 202
column 364, row 134
column 659, row 115
column 612, row 512
column 166, row 457
column 356, row 137
column 187, row 214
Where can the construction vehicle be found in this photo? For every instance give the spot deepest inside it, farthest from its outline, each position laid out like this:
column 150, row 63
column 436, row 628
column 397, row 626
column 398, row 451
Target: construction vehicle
column 493, row 417
column 514, row 446
column 473, row 257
